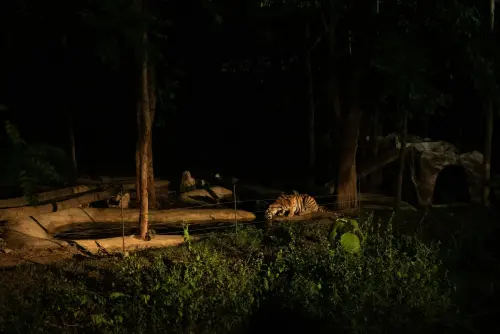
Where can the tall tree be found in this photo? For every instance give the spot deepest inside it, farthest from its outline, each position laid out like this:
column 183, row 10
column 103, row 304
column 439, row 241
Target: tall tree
column 152, row 109
column 359, row 31
column 402, row 151
column 488, row 108
column 145, row 114
column 310, row 94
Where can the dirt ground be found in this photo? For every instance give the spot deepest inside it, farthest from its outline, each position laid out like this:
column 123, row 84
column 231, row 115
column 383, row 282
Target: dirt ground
column 11, row 258
column 15, row 257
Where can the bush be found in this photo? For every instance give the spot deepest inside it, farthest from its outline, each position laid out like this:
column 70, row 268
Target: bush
column 215, row 285
column 393, row 283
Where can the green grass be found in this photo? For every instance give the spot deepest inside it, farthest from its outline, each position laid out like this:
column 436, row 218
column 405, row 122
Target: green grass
column 291, row 277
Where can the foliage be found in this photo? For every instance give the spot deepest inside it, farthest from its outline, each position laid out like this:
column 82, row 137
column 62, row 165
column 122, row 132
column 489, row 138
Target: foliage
column 218, row 283
column 349, row 239
column 32, row 164
column 393, row 282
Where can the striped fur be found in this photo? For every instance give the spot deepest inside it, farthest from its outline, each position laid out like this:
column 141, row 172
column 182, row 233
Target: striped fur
column 293, row 204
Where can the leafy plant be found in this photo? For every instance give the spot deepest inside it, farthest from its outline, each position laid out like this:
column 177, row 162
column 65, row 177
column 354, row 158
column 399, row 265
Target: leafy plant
column 32, row 164
column 349, row 238
column 222, row 282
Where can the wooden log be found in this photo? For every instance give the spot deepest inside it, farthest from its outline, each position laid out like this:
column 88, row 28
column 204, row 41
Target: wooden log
column 105, row 180
column 59, row 221
column 37, row 232
column 306, row 216
column 14, row 213
column 26, row 233
column 202, row 196
column 132, row 243
column 158, row 184
column 47, row 196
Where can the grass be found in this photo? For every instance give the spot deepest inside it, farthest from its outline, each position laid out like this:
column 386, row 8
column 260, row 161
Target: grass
column 292, row 277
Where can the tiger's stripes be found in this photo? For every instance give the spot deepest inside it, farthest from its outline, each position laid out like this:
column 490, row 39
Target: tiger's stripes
column 293, row 204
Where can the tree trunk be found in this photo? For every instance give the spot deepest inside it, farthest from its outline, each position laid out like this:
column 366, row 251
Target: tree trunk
column 347, row 177
column 153, row 204
column 73, row 146
column 487, row 152
column 376, row 177
column 489, row 126
column 335, row 102
column 399, row 189
column 138, row 155
column 311, row 130
column 145, row 142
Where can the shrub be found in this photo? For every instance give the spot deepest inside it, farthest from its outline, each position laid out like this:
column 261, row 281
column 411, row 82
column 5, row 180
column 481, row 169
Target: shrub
column 216, row 284
column 33, row 164
column 392, row 283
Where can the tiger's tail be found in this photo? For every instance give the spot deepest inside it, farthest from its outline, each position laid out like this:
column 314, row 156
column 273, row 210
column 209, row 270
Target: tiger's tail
column 323, row 209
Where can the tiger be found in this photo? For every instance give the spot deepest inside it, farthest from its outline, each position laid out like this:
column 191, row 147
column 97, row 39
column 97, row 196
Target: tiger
column 293, row 204
column 188, row 182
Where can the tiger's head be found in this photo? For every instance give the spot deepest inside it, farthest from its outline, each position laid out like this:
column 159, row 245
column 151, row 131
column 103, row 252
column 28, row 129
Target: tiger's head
column 278, row 208
column 273, row 210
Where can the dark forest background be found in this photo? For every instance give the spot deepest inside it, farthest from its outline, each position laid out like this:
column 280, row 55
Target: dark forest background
column 231, row 76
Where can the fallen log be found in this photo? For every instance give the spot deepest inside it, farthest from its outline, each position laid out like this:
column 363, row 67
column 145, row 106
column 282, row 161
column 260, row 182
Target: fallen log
column 15, row 213
column 106, row 180
column 26, row 233
column 37, row 232
column 202, row 196
column 47, row 196
column 58, row 221
column 381, row 202
column 158, row 184
column 82, row 200
column 132, row 243
column 308, row 216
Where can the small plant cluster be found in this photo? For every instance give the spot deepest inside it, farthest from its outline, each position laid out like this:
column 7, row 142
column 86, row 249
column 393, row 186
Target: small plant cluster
column 227, row 283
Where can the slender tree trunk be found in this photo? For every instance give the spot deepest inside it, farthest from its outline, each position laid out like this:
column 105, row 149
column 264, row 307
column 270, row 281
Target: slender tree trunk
column 145, row 142
column 487, row 152
column 309, row 75
column 335, row 101
column 152, row 108
column 399, row 186
column 375, row 177
column 138, row 155
column 489, row 127
column 73, row 145
column 347, row 177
